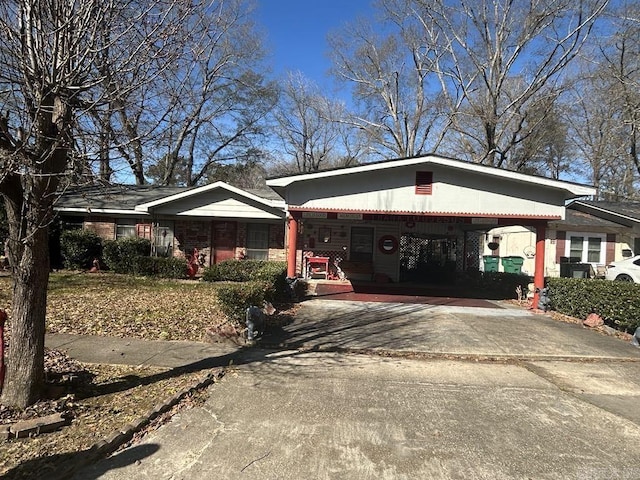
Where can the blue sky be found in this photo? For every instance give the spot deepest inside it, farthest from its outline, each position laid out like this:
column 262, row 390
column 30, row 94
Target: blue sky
column 296, row 32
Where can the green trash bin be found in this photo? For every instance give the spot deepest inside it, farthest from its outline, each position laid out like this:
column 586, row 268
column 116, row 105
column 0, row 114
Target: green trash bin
column 512, row 264
column 490, row 263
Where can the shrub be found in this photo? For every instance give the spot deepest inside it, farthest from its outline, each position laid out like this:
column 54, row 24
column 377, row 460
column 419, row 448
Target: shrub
column 273, row 273
column 250, row 282
column 79, row 248
column 236, row 270
column 234, row 298
column 120, row 255
column 495, row 285
column 171, row 267
column 618, row 303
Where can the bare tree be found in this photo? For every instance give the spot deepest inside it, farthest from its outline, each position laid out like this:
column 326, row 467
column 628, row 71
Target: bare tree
column 310, row 127
column 466, row 69
column 604, row 113
column 621, row 64
column 207, row 108
column 395, row 86
column 544, row 148
column 49, row 68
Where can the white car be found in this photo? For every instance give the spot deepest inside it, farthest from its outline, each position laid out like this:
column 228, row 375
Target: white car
column 627, row 270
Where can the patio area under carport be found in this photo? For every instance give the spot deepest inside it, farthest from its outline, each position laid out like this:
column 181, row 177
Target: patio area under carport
column 405, row 292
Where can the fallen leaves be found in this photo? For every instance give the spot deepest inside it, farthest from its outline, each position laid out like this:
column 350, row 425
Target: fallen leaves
column 123, row 306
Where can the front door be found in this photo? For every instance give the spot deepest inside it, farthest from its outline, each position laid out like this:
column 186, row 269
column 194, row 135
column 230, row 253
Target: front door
column 224, row 241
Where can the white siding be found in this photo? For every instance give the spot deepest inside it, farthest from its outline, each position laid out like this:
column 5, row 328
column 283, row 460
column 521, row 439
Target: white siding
column 218, row 204
column 387, row 264
column 455, row 192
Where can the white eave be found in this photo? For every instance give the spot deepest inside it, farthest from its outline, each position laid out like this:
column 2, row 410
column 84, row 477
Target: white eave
column 575, row 189
column 144, row 207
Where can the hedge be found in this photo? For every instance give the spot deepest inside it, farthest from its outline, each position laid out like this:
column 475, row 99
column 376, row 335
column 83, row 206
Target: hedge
column 131, row 256
column 159, row 267
column 243, row 270
column 120, row 255
column 248, row 282
column 79, row 248
column 235, row 297
column 618, row 303
column 494, row 285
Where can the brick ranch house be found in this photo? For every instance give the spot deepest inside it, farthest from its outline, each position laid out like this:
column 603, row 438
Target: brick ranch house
column 221, row 221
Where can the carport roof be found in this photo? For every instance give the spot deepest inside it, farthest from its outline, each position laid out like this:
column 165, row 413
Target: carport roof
column 572, row 190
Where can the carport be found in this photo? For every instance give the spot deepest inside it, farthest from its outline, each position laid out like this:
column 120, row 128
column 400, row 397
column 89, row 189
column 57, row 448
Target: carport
column 370, row 218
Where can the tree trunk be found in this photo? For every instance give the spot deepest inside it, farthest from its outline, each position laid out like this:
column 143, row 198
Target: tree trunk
column 25, row 365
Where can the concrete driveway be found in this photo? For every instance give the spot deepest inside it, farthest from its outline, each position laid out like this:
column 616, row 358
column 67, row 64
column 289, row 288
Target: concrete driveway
column 371, row 391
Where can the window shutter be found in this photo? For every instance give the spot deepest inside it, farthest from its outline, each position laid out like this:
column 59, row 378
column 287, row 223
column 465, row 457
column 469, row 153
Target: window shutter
column 424, row 182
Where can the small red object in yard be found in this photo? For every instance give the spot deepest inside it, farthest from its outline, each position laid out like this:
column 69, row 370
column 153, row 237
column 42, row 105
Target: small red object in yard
column 192, row 266
column 3, row 319
column 593, row 320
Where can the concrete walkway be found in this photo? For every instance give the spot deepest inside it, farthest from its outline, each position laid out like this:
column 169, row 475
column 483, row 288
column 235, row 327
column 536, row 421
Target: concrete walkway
column 441, row 392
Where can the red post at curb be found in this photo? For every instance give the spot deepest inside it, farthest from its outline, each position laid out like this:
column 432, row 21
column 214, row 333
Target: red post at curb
column 3, row 319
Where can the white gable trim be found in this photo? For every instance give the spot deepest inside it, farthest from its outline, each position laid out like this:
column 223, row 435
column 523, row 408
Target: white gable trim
column 144, row 207
column 573, row 188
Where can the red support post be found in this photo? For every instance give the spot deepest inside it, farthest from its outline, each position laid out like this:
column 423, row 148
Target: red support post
column 292, row 246
column 538, row 276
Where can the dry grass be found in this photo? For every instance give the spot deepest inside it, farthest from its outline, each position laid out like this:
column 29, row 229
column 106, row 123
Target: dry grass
column 118, row 305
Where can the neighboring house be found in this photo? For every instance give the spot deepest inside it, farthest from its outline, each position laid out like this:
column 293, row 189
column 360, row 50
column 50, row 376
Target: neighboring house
column 220, row 221
column 593, row 232
column 420, row 218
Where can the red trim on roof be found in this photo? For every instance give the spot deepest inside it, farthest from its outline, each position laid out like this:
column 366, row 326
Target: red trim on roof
column 426, row 214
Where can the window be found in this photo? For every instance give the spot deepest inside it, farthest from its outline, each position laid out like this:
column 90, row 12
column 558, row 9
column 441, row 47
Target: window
column 163, row 240
column 125, row 228
column 257, row 241
column 586, row 247
column 72, row 223
column 593, row 250
column 424, row 182
column 361, row 244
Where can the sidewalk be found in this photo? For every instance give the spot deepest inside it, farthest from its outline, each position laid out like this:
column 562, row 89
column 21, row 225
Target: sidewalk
column 138, row 352
column 402, row 329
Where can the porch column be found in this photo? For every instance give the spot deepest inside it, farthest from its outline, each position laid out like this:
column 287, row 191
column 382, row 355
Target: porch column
column 292, row 246
column 538, row 275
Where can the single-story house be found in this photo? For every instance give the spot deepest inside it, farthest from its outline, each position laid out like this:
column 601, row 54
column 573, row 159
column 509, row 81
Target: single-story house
column 220, row 221
column 593, row 233
column 421, row 216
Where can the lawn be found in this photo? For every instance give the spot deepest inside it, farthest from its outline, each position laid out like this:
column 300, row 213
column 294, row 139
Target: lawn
column 124, row 306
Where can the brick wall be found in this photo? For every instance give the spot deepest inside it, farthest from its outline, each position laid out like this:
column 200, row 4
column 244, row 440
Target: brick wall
column 190, row 235
column 105, row 228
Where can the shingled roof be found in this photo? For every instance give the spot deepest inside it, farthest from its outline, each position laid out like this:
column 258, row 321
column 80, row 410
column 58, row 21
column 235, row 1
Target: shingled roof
column 125, row 198
column 621, row 213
